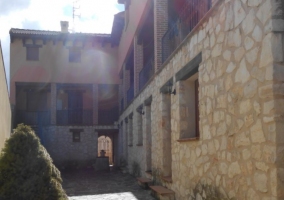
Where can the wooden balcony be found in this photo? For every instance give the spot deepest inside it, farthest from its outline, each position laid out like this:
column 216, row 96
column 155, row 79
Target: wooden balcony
column 146, row 73
column 130, row 94
column 74, row 117
column 33, row 118
column 108, row 117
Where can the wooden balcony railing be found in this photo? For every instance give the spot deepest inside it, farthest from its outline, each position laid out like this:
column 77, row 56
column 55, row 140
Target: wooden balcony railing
column 146, row 73
column 130, row 94
column 121, row 105
column 33, row 118
column 108, row 117
column 193, row 11
column 74, row 117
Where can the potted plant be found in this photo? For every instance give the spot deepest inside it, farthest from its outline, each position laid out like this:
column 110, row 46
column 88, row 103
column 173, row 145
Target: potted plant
column 123, row 164
column 102, row 153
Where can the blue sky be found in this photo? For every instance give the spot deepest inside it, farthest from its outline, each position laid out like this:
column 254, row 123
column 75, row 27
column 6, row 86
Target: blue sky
column 96, row 17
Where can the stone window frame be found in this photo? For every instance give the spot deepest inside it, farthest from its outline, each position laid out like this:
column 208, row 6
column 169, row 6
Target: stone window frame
column 189, row 73
column 130, row 129
column 139, row 119
column 166, row 129
column 76, row 134
column 148, row 133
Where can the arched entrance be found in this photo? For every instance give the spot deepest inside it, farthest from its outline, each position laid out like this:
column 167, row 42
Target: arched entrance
column 105, row 143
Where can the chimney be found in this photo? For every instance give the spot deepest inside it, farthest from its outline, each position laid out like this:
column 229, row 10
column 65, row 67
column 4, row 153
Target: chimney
column 64, row 26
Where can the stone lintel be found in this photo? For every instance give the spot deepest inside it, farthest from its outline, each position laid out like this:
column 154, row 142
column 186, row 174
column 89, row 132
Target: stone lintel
column 76, row 130
column 139, row 109
column 148, row 101
column 165, row 88
column 189, row 69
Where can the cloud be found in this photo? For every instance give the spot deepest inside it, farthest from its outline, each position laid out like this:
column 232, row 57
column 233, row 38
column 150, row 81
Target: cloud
column 96, row 17
column 31, row 24
column 7, row 6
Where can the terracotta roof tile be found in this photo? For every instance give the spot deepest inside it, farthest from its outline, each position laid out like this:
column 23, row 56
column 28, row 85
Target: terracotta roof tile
column 52, row 33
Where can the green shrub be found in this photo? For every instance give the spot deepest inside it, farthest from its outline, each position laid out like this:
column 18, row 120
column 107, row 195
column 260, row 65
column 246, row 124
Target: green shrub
column 136, row 169
column 26, row 169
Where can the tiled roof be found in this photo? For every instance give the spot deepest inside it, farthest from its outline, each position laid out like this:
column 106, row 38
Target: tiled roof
column 17, row 31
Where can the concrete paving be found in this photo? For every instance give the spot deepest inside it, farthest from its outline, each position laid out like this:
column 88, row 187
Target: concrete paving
column 114, row 185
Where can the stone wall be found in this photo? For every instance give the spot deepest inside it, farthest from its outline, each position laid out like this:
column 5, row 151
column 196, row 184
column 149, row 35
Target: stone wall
column 239, row 153
column 59, row 143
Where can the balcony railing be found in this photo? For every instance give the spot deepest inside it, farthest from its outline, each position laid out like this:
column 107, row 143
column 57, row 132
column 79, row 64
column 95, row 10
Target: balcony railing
column 130, row 94
column 121, row 105
column 108, row 117
column 146, row 73
column 33, row 118
column 193, row 11
column 74, row 117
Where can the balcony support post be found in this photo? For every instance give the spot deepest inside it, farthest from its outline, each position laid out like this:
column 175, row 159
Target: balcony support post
column 160, row 28
column 53, row 104
column 138, row 63
column 126, row 84
column 95, row 104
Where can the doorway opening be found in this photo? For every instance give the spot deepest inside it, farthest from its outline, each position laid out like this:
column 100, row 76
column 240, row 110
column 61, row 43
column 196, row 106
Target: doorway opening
column 105, row 144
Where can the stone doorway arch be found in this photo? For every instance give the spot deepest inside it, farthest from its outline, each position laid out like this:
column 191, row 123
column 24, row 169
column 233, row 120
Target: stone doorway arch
column 105, row 143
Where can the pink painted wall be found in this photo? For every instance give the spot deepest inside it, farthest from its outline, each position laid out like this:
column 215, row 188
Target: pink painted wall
column 98, row 65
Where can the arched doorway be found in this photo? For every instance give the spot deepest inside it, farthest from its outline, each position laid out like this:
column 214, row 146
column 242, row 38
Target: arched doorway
column 105, row 143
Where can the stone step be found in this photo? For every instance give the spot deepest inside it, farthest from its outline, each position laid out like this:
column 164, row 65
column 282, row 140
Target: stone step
column 162, row 193
column 144, row 182
column 148, row 174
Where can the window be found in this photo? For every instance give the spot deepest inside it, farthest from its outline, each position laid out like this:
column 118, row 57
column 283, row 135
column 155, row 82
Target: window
column 188, row 87
column 76, row 137
column 196, row 84
column 32, row 53
column 139, row 125
column 74, row 55
column 190, row 105
column 76, row 134
column 130, row 129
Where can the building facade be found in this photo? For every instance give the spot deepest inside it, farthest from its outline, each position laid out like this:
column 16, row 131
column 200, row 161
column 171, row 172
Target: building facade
column 202, row 99
column 65, row 85
column 198, row 83
column 5, row 115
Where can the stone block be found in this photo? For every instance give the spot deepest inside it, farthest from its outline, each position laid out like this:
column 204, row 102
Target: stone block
column 260, row 181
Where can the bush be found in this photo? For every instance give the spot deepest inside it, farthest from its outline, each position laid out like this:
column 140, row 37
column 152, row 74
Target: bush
column 136, row 169
column 26, row 169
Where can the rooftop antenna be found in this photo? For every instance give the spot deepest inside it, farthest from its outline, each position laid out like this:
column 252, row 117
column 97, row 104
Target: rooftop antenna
column 76, row 13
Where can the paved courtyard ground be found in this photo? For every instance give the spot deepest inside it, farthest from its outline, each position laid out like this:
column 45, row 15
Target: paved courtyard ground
column 89, row 185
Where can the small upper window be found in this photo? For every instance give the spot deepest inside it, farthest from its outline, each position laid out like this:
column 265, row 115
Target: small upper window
column 74, row 55
column 76, row 137
column 32, row 53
